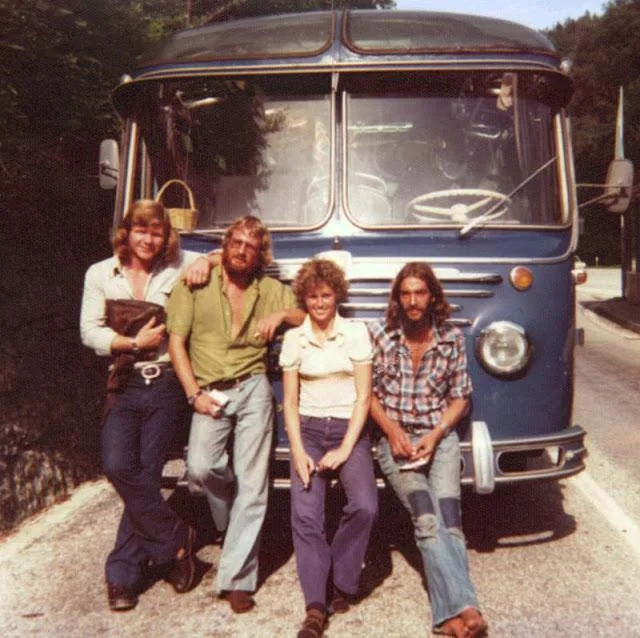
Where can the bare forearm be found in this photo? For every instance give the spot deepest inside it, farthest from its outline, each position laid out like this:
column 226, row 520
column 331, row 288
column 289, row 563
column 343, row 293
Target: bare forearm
column 453, row 413
column 292, row 425
column 182, row 365
column 380, row 416
column 294, row 316
column 356, row 423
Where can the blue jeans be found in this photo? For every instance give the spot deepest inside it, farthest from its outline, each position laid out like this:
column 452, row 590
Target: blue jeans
column 431, row 495
column 136, row 436
column 237, row 496
column 314, row 556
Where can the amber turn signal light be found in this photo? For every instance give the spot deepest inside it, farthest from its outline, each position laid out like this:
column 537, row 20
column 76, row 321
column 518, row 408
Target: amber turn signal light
column 521, row 278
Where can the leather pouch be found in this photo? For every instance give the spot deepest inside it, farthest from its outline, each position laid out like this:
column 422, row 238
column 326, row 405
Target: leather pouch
column 126, row 317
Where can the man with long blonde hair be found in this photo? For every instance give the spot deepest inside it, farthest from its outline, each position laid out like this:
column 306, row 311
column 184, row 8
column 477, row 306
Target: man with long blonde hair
column 144, row 401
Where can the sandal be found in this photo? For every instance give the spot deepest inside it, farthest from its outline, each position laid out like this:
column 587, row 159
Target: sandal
column 453, row 627
column 475, row 625
column 313, row 625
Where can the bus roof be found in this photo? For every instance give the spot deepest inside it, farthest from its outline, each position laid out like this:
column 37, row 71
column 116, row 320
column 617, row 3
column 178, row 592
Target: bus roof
column 336, row 37
column 352, row 40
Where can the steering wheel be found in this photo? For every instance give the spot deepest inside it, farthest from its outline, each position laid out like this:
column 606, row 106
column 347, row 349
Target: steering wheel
column 459, row 212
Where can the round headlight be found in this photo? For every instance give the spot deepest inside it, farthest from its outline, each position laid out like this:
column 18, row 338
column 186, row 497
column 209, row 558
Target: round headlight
column 503, row 348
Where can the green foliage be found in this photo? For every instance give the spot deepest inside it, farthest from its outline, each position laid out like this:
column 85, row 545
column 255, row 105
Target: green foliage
column 59, row 60
column 207, row 10
column 605, row 51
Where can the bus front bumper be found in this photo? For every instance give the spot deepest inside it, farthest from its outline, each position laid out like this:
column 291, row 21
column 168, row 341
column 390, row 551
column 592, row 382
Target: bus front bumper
column 501, row 462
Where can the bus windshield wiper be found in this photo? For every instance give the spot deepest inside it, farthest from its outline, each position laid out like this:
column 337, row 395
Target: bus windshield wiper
column 489, row 214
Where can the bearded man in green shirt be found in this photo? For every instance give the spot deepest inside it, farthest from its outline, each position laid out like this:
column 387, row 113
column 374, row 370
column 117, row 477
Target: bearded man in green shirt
column 218, row 337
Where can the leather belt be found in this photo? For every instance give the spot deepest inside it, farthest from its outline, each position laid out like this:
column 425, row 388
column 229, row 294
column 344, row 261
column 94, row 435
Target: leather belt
column 227, row 384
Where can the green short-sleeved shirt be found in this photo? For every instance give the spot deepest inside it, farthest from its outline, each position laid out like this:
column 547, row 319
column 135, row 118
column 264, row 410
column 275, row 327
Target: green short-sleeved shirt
column 203, row 315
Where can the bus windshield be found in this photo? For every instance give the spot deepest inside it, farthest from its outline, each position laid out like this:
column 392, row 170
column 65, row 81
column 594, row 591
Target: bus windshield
column 451, row 148
column 238, row 148
column 417, row 149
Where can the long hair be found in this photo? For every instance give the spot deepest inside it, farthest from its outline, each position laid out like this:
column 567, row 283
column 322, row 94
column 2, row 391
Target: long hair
column 438, row 306
column 146, row 212
column 316, row 272
column 256, row 228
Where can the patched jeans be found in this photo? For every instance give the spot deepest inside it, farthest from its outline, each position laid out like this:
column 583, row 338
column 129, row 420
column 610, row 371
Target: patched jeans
column 315, row 557
column 238, row 493
column 431, row 495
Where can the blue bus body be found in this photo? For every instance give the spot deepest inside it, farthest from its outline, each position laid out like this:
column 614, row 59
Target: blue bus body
column 377, row 138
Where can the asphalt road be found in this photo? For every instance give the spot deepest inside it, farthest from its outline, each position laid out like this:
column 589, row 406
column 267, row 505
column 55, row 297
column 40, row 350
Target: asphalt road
column 552, row 559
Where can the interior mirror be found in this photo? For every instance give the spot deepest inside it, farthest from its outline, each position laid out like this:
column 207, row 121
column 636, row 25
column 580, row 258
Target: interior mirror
column 109, row 164
column 618, row 186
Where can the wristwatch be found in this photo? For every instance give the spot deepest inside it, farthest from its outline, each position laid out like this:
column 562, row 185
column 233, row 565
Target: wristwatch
column 134, row 347
column 193, row 398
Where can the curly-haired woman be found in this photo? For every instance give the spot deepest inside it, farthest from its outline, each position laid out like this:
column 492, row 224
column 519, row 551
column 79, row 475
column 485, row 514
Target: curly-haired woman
column 326, row 366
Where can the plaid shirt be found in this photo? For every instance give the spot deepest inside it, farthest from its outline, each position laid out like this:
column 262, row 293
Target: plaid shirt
column 417, row 401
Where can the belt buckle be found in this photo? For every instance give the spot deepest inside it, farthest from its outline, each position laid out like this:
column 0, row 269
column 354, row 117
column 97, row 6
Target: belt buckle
column 150, row 371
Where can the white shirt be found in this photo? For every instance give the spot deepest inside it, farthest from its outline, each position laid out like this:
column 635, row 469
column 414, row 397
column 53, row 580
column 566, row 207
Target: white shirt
column 327, row 385
column 106, row 280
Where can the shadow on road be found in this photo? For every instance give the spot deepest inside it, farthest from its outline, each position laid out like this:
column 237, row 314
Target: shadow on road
column 515, row 516
column 512, row 516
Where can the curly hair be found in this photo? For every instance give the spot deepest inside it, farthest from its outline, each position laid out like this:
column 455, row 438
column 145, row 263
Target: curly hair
column 314, row 273
column 439, row 307
column 256, row 228
column 146, row 212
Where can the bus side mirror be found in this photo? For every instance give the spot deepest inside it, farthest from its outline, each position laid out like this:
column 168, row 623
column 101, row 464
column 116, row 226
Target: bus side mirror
column 618, row 185
column 109, row 166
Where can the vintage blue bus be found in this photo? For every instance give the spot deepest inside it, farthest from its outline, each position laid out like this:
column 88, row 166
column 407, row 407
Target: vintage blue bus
column 376, row 138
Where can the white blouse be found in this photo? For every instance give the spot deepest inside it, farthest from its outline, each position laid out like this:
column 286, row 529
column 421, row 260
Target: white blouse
column 327, row 386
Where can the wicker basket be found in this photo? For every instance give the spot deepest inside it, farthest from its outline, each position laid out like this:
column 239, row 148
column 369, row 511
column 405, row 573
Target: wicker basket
column 181, row 218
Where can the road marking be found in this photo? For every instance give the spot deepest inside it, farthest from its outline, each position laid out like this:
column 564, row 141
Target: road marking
column 620, row 521
column 608, row 324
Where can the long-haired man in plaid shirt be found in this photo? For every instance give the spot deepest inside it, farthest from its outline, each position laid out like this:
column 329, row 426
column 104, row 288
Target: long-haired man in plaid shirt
column 421, row 390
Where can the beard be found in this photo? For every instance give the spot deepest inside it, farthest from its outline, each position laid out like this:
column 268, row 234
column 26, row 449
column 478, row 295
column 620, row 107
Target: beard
column 242, row 269
column 412, row 326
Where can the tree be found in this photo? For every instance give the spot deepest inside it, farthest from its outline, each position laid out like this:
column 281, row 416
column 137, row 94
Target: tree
column 605, row 52
column 213, row 10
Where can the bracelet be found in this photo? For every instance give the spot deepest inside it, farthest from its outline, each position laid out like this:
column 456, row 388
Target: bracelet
column 194, row 397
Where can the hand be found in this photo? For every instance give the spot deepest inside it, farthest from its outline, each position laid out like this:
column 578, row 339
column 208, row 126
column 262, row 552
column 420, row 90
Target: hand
column 400, row 444
column 197, row 273
column 428, row 444
column 204, row 404
column 150, row 336
column 304, row 467
column 333, row 459
column 266, row 327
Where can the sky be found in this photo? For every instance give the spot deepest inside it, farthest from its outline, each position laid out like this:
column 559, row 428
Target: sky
column 537, row 14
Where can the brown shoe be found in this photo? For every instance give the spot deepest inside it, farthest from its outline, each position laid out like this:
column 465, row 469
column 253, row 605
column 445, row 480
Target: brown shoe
column 120, row 598
column 313, row 625
column 241, row 601
column 339, row 603
column 182, row 574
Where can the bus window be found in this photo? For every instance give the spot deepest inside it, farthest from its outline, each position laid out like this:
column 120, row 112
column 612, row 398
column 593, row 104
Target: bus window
column 450, row 148
column 240, row 148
